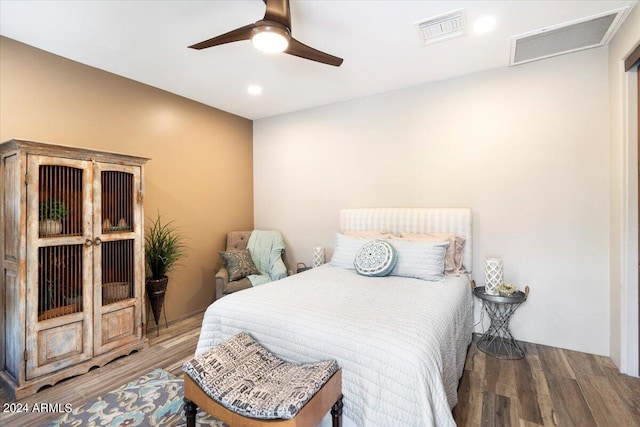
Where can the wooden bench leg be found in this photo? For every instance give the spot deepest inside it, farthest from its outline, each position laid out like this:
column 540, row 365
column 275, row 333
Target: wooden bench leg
column 190, row 410
column 336, row 413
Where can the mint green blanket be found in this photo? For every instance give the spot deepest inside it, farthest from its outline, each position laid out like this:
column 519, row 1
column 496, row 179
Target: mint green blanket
column 266, row 247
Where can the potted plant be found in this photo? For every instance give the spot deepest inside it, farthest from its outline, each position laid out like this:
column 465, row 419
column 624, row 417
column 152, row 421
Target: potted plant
column 163, row 249
column 51, row 213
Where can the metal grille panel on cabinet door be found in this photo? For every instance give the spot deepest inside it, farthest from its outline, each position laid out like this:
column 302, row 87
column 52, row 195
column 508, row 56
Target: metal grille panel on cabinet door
column 117, row 271
column 59, row 281
column 117, row 201
column 60, row 201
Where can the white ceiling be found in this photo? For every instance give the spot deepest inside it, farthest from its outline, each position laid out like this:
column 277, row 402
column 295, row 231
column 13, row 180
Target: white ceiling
column 147, row 41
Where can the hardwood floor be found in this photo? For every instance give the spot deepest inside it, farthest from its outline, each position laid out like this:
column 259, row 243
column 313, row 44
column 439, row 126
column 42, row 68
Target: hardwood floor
column 550, row 387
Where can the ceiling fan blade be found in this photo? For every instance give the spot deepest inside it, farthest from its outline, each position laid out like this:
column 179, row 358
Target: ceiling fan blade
column 278, row 11
column 307, row 52
column 242, row 33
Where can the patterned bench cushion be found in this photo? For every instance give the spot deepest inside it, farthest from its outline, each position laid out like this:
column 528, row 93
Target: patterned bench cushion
column 249, row 380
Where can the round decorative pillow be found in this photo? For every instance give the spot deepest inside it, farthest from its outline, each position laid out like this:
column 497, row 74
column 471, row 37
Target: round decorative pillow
column 376, row 258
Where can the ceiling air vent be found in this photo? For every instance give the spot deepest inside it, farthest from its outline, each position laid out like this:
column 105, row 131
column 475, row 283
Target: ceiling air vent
column 442, row 27
column 569, row 37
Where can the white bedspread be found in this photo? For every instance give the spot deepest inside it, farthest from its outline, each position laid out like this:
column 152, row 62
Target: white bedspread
column 401, row 342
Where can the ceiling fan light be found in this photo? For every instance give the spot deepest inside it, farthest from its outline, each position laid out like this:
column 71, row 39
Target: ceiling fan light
column 270, row 39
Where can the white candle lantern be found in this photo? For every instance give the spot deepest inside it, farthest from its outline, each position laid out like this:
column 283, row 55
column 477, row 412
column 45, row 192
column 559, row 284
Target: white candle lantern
column 492, row 275
column 318, row 256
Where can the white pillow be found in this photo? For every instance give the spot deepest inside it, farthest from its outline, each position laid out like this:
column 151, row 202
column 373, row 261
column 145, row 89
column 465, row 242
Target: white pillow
column 420, row 260
column 345, row 250
column 453, row 257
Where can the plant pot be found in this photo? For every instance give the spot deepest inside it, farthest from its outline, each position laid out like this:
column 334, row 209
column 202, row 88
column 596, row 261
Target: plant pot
column 156, row 289
column 49, row 227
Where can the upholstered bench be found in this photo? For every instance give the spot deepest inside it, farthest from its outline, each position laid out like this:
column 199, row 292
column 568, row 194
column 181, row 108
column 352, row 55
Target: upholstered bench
column 243, row 384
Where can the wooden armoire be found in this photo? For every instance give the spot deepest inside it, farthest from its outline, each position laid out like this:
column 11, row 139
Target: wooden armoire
column 72, row 256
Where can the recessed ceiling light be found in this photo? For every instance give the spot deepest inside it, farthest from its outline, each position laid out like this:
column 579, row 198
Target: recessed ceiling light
column 484, row 24
column 254, row 89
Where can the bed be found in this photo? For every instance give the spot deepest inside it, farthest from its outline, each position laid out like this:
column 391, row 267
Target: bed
column 400, row 341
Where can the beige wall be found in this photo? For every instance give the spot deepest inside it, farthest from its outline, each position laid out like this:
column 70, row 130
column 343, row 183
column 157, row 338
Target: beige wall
column 624, row 197
column 526, row 148
column 200, row 174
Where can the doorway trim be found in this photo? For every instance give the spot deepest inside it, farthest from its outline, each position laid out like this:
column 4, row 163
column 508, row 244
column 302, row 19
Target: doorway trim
column 629, row 316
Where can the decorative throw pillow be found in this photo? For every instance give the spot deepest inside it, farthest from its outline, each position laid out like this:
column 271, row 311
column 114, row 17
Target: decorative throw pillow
column 376, row 258
column 239, row 264
column 420, row 260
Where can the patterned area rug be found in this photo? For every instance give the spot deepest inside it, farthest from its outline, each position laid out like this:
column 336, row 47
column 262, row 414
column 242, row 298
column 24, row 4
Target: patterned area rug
column 154, row 399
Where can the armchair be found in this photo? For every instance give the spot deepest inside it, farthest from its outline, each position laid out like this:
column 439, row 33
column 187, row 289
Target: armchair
column 236, row 241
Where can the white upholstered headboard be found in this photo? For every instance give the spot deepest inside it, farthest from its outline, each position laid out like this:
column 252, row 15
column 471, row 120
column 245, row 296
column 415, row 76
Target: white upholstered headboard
column 414, row 220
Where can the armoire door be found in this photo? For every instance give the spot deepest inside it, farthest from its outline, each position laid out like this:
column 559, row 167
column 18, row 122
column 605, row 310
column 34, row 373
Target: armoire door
column 118, row 249
column 59, row 318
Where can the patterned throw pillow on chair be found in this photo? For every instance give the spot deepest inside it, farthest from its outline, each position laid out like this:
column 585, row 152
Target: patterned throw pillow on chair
column 239, row 264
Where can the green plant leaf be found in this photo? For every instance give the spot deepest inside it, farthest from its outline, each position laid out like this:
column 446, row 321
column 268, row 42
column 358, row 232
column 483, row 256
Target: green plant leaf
column 53, row 209
column 164, row 247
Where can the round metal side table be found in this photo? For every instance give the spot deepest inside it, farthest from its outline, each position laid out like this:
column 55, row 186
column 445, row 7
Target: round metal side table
column 498, row 341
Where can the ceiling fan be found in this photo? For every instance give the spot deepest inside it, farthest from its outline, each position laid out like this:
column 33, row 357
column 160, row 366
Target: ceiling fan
column 272, row 34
